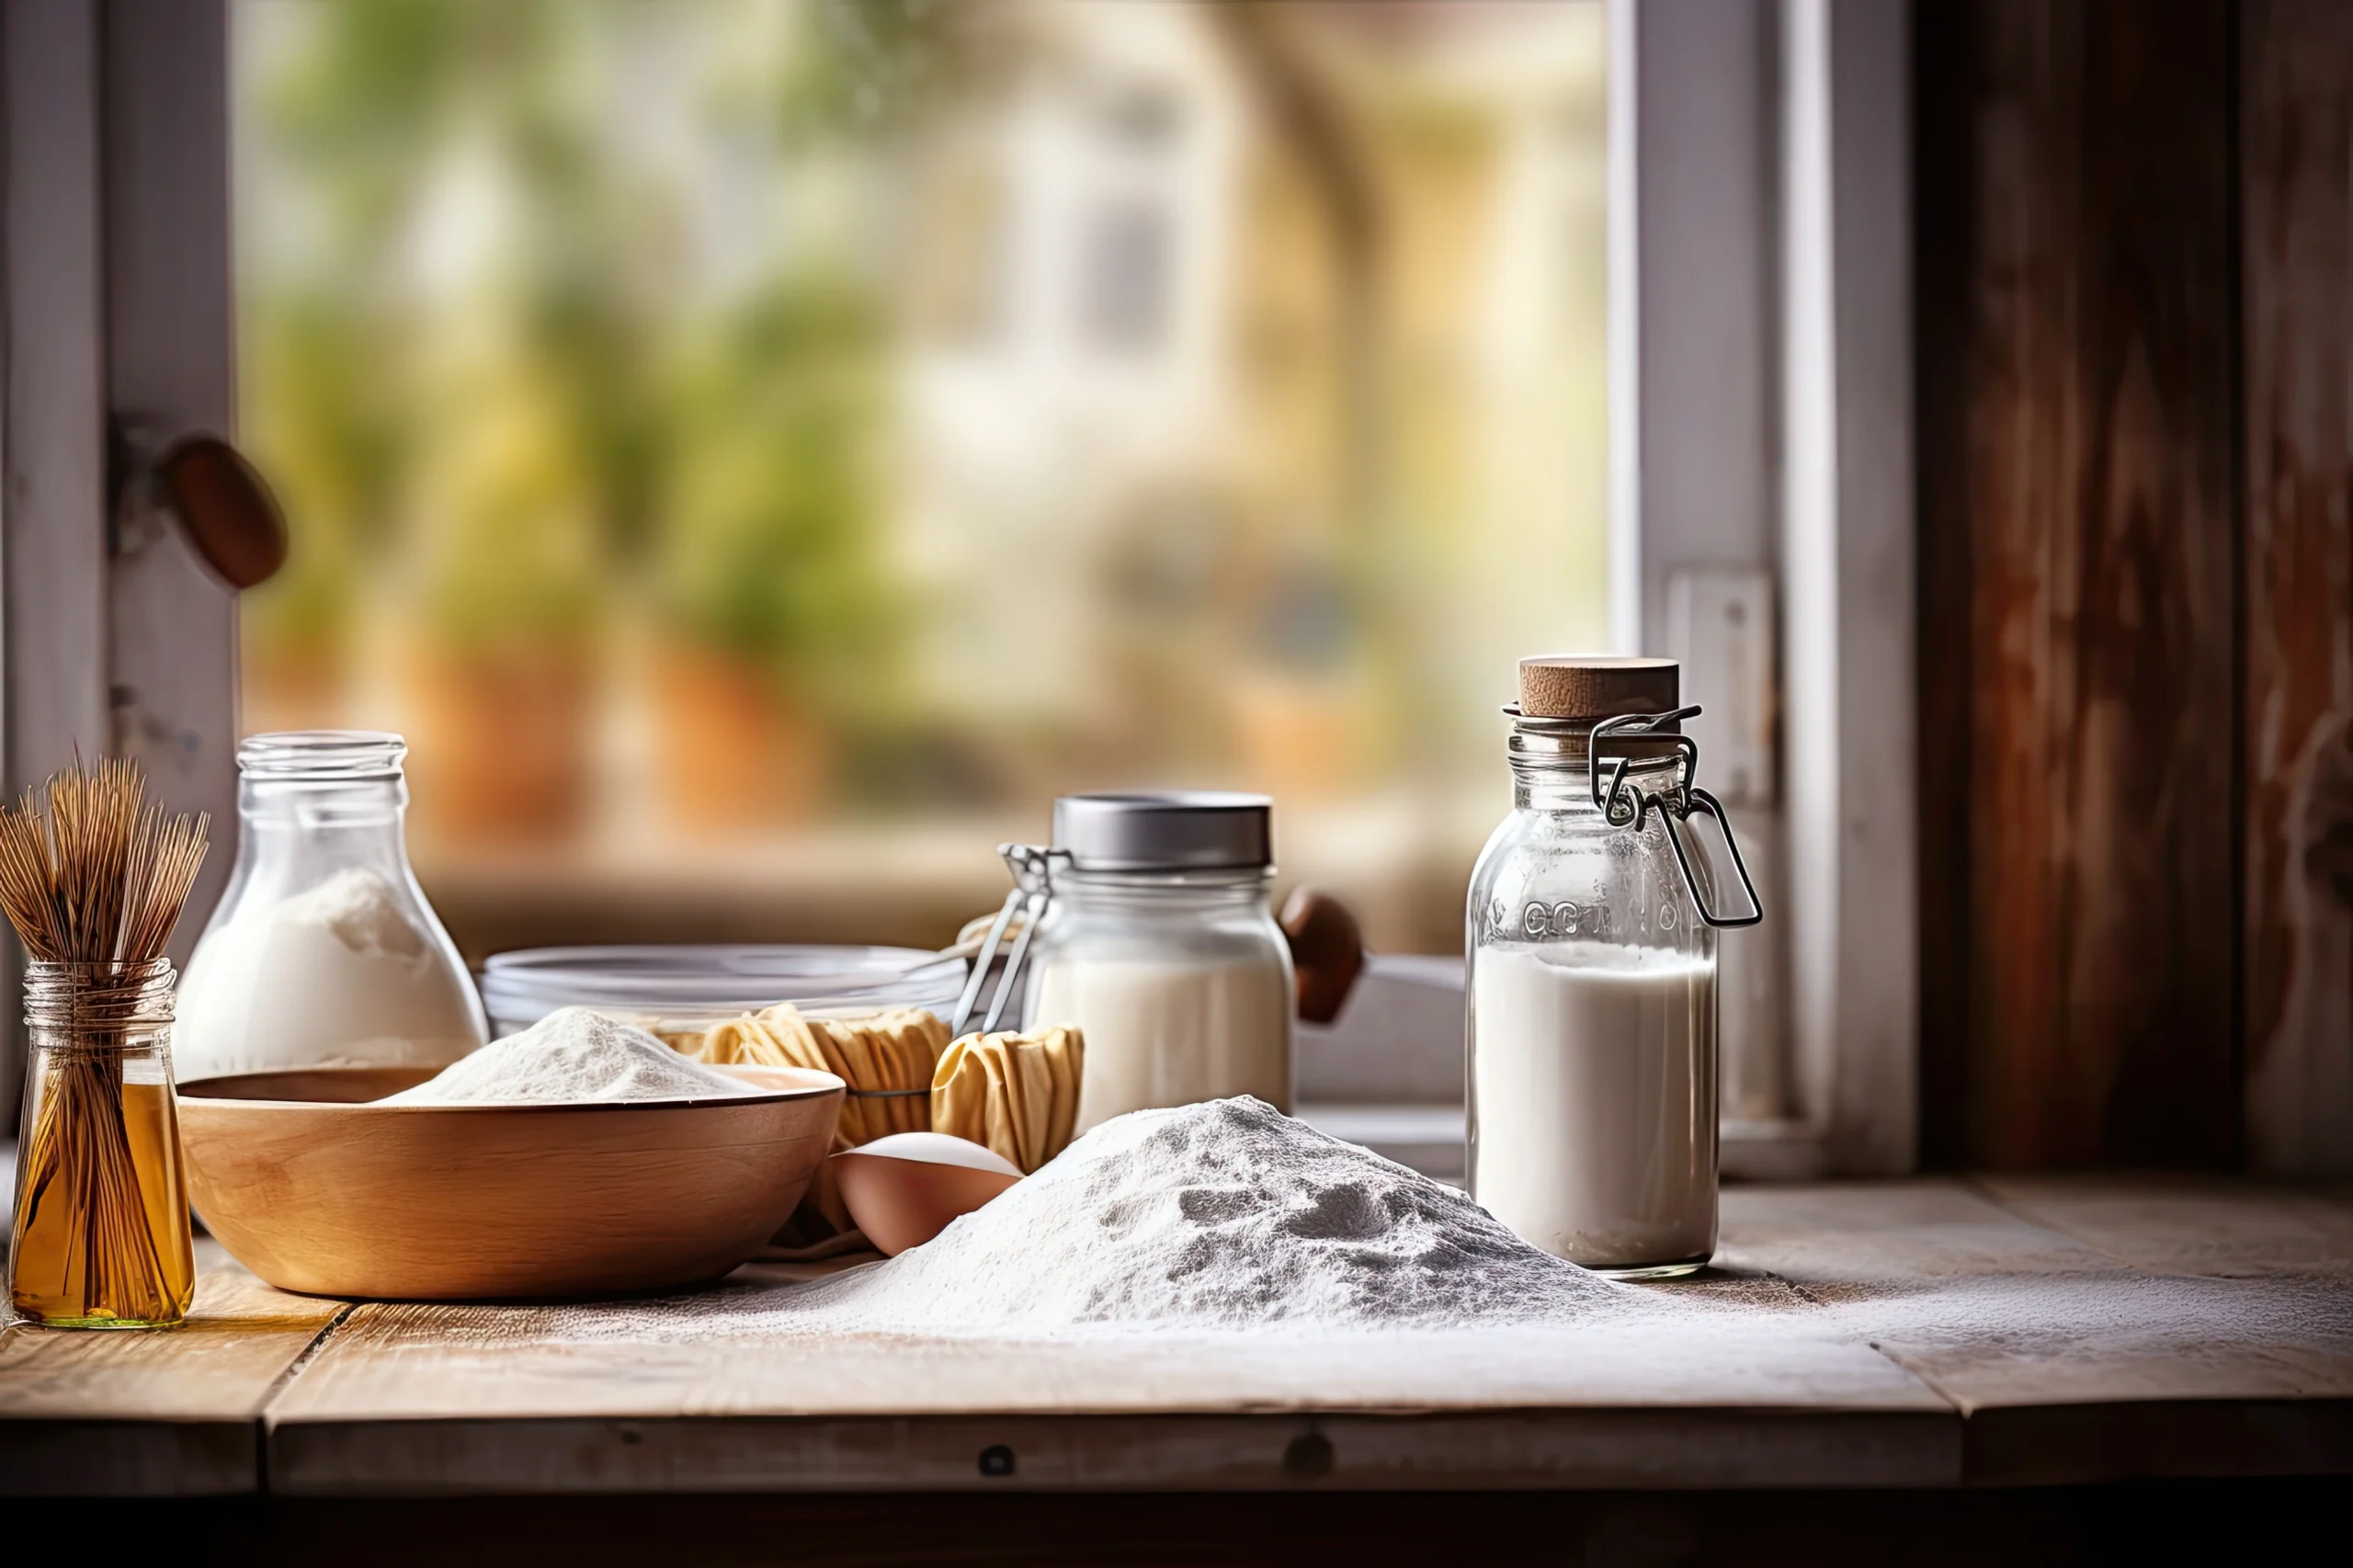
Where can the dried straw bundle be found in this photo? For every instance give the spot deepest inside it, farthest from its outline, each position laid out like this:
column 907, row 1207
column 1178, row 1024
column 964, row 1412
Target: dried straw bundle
column 94, row 882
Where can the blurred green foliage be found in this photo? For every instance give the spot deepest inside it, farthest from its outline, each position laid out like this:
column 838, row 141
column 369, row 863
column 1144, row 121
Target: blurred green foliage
column 484, row 362
column 776, row 329
column 771, row 496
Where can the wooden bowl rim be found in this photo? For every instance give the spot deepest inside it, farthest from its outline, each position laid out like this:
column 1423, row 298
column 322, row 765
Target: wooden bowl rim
column 833, row 1084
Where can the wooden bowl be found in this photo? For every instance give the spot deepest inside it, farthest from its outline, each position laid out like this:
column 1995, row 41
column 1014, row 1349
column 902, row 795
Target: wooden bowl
column 317, row 1191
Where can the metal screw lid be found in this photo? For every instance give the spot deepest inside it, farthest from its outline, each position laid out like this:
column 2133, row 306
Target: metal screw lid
column 1165, row 830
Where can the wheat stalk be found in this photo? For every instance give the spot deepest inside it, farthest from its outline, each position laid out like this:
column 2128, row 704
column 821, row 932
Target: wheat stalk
column 94, row 874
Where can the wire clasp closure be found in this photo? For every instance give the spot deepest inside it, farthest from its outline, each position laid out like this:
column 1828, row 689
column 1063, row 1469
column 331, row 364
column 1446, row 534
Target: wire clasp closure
column 1033, row 889
column 1627, row 804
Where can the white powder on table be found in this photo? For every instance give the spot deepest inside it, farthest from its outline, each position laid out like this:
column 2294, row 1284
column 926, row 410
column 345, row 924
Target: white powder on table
column 1223, row 1215
column 573, row 1056
column 1236, row 1231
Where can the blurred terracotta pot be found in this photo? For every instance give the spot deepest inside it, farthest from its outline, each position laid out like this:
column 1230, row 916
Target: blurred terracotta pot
column 737, row 752
column 1302, row 739
column 498, row 747
column 291, row 688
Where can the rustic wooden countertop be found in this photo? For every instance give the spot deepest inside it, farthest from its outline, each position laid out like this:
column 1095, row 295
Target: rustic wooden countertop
column 1917, row 1334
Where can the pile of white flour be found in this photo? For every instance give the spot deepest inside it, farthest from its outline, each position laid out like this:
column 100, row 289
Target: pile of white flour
column 573, row 1055
column 1222, row 1215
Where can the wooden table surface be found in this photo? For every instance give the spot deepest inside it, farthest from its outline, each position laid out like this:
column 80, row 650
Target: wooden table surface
column 1918, row 1333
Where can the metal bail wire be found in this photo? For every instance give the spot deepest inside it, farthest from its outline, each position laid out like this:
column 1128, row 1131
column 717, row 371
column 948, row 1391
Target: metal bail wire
column 1033, row 889
column 1628, row 805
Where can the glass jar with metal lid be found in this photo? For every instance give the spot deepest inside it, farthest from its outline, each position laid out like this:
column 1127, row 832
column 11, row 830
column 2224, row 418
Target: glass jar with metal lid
column 1148, row 928
column 1591, row 1039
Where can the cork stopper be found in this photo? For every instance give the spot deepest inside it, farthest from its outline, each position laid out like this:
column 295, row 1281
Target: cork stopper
column 1576, row 686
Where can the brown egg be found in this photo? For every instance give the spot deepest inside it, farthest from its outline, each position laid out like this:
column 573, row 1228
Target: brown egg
column 904, row 1189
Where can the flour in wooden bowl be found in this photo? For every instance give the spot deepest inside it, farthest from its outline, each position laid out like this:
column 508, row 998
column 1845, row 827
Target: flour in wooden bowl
column 573, row 1056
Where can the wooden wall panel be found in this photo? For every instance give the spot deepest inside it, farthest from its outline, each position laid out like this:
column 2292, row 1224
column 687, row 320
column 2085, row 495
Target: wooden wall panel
column 1944, row 239
column 2297, row 184
column 2078, row 490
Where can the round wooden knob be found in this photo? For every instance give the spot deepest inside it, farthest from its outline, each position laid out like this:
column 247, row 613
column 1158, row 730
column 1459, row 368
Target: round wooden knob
column 225, row 509
column 1326, row 952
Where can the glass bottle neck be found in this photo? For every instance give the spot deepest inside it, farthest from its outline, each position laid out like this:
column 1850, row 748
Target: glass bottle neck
column 1553, row 793
column 1556, row 786
column 330, row 805
column 295, row 833
column 337, row 790
column 355, row 812
column 1550, row 771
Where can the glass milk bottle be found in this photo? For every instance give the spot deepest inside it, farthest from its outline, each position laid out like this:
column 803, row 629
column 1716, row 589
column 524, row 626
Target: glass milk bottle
column 1591, row 1042
column 322, row 952
column 1154, row 938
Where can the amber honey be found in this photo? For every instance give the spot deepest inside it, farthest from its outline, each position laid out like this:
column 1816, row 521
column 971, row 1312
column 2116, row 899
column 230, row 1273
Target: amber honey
column 102, row 1233
column 93, row 876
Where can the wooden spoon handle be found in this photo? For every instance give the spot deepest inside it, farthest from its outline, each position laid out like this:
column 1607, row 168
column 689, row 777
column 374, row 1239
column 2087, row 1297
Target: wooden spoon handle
column 225, row 509
column 1326, row 952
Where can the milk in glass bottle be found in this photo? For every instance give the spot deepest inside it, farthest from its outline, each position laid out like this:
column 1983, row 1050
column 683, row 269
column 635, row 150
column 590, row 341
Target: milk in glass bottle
column 1591, row 1036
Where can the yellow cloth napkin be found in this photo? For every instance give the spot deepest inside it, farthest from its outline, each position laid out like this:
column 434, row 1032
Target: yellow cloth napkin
column 885, row 1058
column 1016, row 1093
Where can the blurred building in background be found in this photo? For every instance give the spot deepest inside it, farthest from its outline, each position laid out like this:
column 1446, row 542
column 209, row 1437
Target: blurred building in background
column 759, row 451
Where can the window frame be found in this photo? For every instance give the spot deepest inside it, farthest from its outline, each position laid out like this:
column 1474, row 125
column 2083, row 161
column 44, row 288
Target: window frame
column 1760, row 388
column 1761, row 397
column 119, row 331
